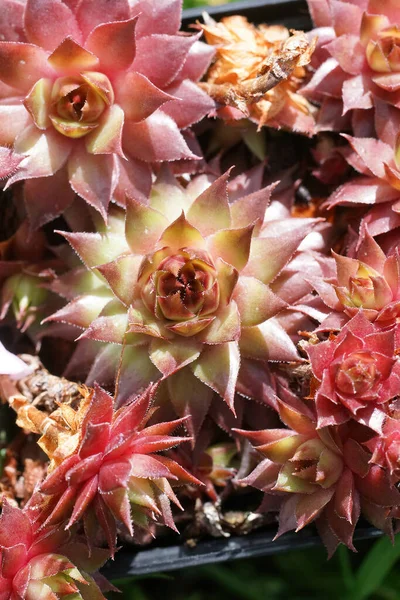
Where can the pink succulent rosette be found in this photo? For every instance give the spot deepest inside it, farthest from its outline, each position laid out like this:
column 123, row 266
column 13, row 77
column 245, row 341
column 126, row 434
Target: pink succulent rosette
column 92, row 94
column 183, row 286
column 378, row 186
column 322, row 475
column 385, row 448
column 357, row 373
column 370, row 281
column 34, row 562
column 115, row 475
column 359, row 61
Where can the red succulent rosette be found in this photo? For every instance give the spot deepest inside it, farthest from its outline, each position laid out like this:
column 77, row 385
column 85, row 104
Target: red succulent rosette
column 115, row 475
column 357, row 373
column 41, row 563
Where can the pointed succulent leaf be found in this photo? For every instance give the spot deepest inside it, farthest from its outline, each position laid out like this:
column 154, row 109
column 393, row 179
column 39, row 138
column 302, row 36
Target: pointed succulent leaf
column 256, row 301
column 70, row 56
column 171, row 357
column 218, row 367
column 195, row 404
column 143, row 226
column 94, row 248
column 114, row 44
column 181, row 234
column 120, row 275
column 225, row 326
column 210, row 211
column 251, row 208
column 232, row 245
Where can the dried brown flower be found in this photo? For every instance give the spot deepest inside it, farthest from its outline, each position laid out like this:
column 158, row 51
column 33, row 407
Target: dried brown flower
column 49, row 406
column 258, row 70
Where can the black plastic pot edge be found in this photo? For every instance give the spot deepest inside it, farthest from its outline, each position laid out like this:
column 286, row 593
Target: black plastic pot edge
column 215, row 551
column 293, row 14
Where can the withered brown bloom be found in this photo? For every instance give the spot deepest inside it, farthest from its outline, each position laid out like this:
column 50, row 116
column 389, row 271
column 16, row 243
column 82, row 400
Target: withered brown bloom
column 49, row 406
column 258, row 71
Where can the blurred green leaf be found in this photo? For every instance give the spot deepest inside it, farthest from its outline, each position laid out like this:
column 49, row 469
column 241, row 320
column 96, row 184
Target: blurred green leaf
column 345, row 567
column 374, row 568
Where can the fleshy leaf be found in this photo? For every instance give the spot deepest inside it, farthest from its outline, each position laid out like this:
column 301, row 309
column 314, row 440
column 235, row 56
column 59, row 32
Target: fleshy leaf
column 256, row 301
column 232, row 245
column 210, row 211
column 143, row 226
column 114, row 44
column 70, row 56
column 181, row 234
column 170, row 357
column 218, row 367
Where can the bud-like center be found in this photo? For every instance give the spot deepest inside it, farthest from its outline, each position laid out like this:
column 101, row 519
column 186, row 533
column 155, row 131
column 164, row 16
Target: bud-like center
column 315, row 463
column 362, row 292
column 78, row 102
column 184, row 286
column 383, row 54
column 357, row 374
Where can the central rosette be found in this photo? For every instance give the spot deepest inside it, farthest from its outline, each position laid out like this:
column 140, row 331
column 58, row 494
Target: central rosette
column 362, row 293
column 182, row 287
column 316, row 464
column 357, row 374
column 383, row 54
column 78, row 102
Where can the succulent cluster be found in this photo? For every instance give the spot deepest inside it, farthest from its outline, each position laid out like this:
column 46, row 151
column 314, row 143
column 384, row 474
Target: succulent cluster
column 221, row 330
column 46, row 564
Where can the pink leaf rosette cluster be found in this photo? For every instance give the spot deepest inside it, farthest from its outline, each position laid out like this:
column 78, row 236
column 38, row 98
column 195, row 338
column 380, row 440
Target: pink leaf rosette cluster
column 92, row 95
column 321, row 474
column 358, row 373
column 42, row 563
column 115, row 476
column 377, row 188
column 359, row 61
column 182, row 288
column 370, row 281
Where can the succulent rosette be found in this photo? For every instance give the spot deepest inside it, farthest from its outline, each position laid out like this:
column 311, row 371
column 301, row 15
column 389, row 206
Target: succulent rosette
column 92, row 94
column 385, row 447
column 360, row 63
column 183, row 286
column 34, row 564
column 378, row 186
column 114, row 475
column 357, row 373
column 370, row 281
column 322, row 475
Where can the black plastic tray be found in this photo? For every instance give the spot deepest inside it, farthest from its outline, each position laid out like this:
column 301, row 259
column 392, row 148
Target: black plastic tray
column 293, row 14
column 172, row 558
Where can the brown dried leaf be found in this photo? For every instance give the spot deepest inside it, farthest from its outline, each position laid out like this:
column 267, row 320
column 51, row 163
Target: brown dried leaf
column 51, row 407
column 257, row 69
